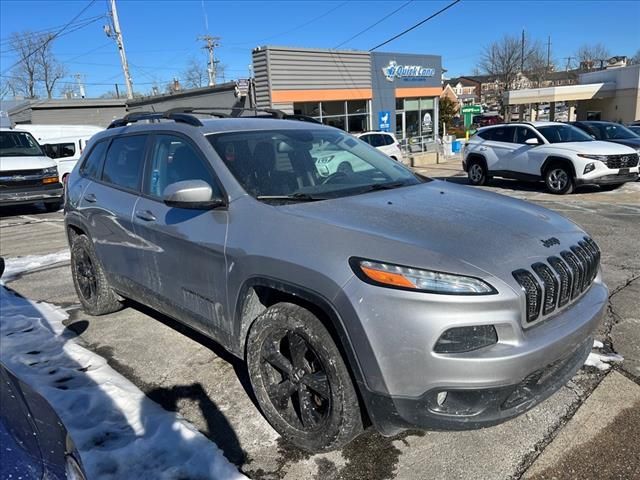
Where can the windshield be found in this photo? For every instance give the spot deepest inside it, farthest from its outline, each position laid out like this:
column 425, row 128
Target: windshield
column 564, row 133
column 18, row 144
column 303, row 165
column 611, row 131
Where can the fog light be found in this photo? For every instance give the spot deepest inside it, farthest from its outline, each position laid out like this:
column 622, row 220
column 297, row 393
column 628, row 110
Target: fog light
column 441, row 398
column 589, row 167
column 466, row 339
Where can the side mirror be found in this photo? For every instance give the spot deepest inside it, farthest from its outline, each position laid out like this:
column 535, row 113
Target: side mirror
column 193, row 194
column 532, row 141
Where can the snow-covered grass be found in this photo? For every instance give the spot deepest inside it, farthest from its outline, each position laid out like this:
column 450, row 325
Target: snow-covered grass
column 19, row 265
column 602, row 361
column 119, row 432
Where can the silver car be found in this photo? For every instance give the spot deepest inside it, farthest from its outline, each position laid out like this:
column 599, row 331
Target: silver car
column 372, row 296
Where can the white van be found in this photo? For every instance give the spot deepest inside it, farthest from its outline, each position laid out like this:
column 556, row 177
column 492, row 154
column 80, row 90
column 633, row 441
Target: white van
column 62, row 143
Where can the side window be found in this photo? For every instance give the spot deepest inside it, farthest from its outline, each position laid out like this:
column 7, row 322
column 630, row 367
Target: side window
column 486, row 134
column 366, row 138
column 388, row 139
column 524, row 133
column 92, row 164
column 173, row 159
column 123, row 163
column 377, row 140
column 502, row 134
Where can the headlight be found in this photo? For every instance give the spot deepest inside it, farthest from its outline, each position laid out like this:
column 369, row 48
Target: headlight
column 407, row 278
column 50, row 172
column 602, row 158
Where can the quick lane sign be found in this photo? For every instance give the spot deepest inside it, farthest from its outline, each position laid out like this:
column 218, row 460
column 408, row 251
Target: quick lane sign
column 410, row 72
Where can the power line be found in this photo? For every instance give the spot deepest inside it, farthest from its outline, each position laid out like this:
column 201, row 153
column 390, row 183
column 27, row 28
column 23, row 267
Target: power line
column 52, row 37
column 7, row 40
column 373, row 25
column 416, row 25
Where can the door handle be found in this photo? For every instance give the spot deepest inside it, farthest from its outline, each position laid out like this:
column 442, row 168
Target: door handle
column 145, row 215
column 482, row 149
column 90, row 197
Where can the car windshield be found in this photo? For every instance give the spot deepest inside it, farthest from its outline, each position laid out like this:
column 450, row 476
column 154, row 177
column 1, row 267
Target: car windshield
column 306, row 165
column 563, row 134
column 18, row 144
column 611, row 131
column 635, row 130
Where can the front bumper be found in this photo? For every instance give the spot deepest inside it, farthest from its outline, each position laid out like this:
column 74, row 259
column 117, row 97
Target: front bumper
column 402, row 375
column 43, row 193
column 613, row 179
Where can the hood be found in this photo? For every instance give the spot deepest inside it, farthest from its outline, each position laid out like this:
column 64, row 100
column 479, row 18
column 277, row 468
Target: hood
column 25, row 163
column 492, row 232
column 596, row 147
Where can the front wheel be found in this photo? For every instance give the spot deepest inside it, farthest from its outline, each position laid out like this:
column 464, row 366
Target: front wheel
column 559, row 180
column 300, row 380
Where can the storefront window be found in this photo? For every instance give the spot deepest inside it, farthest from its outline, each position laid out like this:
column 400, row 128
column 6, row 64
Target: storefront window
column 399, row 103
column 350, row 115
column 411, row 104
column 418, row 118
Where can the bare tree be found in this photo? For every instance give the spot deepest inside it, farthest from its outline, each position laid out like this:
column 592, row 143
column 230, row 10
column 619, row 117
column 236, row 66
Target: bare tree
column 535, row 65
column 196, row 74
column 25, row 74
column 635, row 60
column 591, row 56
column 50, row 70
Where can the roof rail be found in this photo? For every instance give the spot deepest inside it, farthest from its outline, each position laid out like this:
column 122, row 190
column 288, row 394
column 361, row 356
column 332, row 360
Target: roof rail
column 176, row 116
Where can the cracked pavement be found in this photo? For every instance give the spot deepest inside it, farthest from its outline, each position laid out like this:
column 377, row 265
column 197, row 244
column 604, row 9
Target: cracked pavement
column 185, row 372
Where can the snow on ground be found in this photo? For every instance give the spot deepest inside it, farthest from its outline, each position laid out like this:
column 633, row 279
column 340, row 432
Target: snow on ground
column 119, row 432
column 602, row 361
column 19, row 265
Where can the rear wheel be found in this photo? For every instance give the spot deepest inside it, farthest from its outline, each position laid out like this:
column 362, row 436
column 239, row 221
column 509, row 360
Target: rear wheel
column 300, row 379
column 559, row 179
column 89, row 279
column 477, row 172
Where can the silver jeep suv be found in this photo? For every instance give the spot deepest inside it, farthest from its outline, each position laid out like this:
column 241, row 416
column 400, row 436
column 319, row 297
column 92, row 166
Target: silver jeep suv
column 374, row 296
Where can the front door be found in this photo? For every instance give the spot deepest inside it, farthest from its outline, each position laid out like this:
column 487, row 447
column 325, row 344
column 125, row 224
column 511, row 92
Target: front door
column 525, row 158
column 502, row 147
column 185, row 260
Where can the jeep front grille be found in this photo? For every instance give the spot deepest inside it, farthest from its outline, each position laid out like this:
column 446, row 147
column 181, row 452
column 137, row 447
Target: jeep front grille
column 552, row 285
column 622, row 161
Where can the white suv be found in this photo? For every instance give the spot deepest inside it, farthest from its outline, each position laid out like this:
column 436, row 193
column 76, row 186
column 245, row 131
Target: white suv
column 385, row 142
column 560, row 154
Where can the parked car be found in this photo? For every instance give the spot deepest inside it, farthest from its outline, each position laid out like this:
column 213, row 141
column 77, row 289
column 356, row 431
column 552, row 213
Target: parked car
column 27, row 175
column 610, row 132
column 385, row 142
column 560, row 154
column 635, row 129
column 486, row 120
column 35, row 443
column 373, row 296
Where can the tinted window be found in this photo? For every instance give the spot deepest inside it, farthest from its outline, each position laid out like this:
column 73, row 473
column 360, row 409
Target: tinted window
column 60, row 150
column 93, row 163
column 173, row 159
column 366, row 139
column 611, row 131
column 503, row 134
column 563, row 133
column 389, row 140
column 377, row 140
column 123, row 164
column 525, row 133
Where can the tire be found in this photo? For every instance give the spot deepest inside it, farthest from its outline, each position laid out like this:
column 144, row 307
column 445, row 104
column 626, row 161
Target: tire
column 89, row 279
column 314, row 419
column 477, row 173
column 559, row 179
column 53, row 206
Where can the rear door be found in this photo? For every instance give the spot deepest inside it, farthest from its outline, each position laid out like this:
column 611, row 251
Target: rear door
column 184, row 256
column 107, row 205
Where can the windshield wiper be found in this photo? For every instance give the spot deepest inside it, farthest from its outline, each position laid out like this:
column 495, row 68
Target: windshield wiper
column 384, row 186
column 294, row 197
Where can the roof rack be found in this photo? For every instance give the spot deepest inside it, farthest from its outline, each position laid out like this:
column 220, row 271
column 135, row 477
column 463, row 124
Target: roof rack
column 185, row 115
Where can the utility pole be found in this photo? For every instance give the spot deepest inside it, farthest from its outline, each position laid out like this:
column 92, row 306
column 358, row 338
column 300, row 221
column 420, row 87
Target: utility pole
column 549, row 54
column 116, row 34
column 80, row 83
column 211, row 44
column 568, row 59
column 522, row 54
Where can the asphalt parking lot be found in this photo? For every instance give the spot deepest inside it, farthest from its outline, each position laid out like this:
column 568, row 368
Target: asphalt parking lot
column 187, row 373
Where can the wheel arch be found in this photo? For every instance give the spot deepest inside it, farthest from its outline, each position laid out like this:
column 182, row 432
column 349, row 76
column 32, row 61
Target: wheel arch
column 555, row 160
column 477, row 157
column 259, row 293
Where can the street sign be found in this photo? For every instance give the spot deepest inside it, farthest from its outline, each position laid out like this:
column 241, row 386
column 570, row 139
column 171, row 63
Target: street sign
column 471, row 109
column 384, row 121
